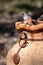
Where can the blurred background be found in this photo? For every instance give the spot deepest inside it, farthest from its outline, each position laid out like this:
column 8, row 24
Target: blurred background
column 10, row 12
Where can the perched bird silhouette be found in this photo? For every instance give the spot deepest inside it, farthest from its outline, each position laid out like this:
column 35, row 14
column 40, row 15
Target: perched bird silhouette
column 27, row 18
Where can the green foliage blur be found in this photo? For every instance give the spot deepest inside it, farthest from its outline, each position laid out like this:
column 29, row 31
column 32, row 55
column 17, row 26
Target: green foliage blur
column 20, row 5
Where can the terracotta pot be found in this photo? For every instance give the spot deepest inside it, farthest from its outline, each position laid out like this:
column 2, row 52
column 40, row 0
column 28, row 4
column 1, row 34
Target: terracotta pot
column 32, row 54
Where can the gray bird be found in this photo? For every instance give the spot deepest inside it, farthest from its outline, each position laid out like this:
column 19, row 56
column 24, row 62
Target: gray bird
column 26, row 16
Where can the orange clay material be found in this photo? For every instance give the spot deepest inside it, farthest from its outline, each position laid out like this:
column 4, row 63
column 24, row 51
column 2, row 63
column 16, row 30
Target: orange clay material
column 28, row 27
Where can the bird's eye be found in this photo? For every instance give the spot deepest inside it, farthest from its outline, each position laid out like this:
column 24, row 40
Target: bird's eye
column 23, row 14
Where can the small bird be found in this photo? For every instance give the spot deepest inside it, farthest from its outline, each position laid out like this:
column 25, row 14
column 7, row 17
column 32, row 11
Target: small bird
column 27, row 18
